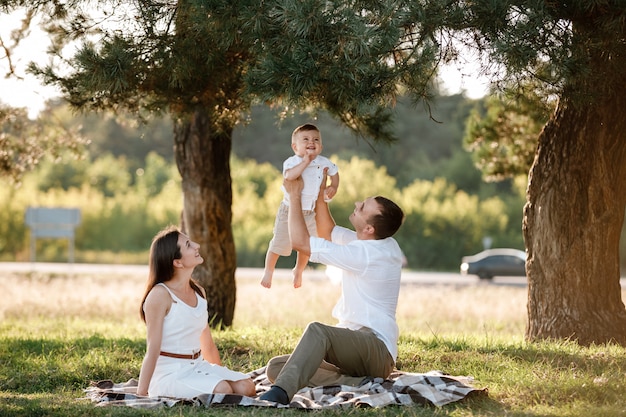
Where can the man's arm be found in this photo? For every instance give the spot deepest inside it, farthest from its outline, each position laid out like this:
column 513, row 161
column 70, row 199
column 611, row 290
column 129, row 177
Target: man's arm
column 298, row 232
column 323, row 219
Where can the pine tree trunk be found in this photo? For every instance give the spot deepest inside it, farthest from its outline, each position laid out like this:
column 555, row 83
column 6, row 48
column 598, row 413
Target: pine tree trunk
column 203, row 159
column 572, row 221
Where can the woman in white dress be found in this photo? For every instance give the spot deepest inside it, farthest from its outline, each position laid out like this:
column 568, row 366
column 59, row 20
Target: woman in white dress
column 181, row 359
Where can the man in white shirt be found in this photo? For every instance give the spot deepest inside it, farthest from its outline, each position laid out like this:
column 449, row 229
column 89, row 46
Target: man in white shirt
column 364, row 341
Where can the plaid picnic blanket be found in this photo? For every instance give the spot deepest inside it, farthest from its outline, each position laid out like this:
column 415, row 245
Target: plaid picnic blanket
column 401, row 388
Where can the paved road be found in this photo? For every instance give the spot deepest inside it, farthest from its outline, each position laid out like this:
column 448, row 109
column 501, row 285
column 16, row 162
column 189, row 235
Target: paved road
column 408, row 277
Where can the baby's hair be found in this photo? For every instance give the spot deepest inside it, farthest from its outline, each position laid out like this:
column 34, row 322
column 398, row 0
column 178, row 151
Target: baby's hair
column 303, row 128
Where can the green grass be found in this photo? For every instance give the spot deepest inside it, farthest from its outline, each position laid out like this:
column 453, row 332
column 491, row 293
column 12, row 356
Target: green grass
column 58, row 334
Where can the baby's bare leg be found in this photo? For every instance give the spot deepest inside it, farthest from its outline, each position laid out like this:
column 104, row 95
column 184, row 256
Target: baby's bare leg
column 270, row 264
column 301, row 262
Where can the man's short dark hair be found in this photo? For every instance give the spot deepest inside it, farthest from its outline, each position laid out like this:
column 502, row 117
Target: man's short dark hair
column 389, row 220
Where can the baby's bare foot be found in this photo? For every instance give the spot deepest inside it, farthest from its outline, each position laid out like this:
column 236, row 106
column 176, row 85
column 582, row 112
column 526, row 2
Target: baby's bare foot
column 297, row 278
column 267, row 280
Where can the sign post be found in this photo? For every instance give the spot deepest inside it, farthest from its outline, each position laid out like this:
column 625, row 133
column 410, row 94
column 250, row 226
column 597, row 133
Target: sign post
column 52, row 222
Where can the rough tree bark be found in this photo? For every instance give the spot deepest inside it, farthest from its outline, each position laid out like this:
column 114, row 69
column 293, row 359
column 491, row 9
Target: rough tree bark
column 203, row 160
column 572, row 221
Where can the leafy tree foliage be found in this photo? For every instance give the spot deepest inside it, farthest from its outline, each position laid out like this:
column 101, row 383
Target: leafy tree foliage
column 122, row 134
column 503, row 137
column 256, row 196
column 422, row 149
column 155, row 175
column 58, row 173
column 23, row 143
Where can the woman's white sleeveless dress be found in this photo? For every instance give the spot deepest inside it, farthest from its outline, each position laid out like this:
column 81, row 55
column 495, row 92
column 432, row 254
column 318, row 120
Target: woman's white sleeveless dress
column 186, row 378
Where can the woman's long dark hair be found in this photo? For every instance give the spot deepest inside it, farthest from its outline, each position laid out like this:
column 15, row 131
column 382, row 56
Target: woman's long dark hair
column 163, row 251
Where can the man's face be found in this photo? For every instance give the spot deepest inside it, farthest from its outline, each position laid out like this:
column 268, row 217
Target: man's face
column 363, row 212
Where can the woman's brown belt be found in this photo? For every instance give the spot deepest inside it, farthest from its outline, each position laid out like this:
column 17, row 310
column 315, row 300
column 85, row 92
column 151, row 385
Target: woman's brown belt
column 179, row 356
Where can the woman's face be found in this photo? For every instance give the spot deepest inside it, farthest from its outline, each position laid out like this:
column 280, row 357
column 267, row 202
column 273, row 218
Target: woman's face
column 189, row 251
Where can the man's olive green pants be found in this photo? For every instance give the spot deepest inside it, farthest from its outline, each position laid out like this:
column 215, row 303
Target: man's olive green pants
column 329, row 355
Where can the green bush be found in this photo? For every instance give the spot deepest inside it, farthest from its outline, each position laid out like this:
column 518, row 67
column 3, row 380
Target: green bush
column 121, row 211
column 13, row 232
column 256, row 197
column 116, row 217
column 442, row 224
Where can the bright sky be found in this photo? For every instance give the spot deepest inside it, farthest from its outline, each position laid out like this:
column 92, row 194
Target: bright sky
column 27, row 91
column 30, row 93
